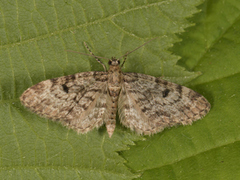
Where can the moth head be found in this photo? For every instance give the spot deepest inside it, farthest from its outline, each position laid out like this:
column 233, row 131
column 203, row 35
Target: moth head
column 113, row 61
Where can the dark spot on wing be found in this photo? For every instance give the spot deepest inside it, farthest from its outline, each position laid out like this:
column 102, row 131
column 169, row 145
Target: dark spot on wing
column 54, row 80
column 179, row 89
column 65, row 88
column 165, row 92
column 145, row 109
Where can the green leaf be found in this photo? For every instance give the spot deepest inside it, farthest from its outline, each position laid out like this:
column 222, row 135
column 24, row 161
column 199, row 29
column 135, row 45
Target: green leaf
column 34, row 36
column 209, row 149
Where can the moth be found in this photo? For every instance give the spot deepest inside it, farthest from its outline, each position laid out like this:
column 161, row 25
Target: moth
column 87, row 100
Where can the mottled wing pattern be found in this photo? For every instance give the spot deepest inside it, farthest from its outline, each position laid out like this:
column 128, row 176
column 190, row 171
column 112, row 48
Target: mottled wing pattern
column 148, row 104
column 78, row 101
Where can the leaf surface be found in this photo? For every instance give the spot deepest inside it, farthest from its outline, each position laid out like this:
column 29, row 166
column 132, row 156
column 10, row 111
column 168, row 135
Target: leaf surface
column 34, row 36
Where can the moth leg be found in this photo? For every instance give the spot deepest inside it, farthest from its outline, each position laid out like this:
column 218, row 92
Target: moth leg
column 124, row 60
column 98, row 60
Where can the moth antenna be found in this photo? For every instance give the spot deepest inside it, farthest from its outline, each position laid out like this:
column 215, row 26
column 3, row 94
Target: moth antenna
column 86, row 54
column 138, row 48
column 124, row 60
